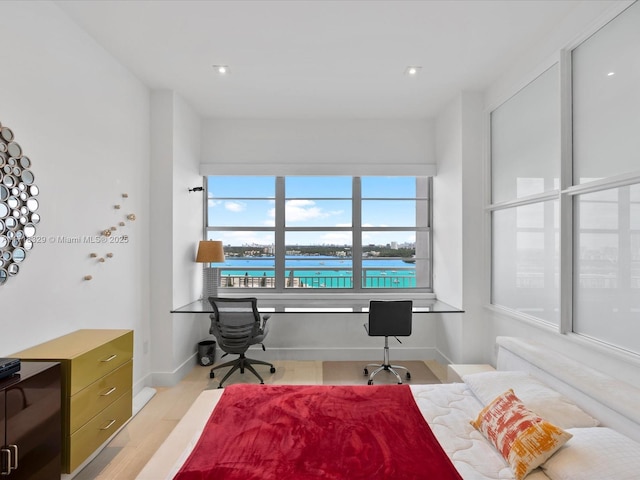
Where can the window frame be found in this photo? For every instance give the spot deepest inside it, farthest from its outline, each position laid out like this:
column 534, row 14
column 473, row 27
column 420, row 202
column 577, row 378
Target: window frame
column 280, row 229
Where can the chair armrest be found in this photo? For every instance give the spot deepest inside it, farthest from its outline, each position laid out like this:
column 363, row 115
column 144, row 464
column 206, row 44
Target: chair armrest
column 264, row 328
column 262, row 332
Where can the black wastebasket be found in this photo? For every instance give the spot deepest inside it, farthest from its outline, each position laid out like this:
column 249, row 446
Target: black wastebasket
column 206, row 352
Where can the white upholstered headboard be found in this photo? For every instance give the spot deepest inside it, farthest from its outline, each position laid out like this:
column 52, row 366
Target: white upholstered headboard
column 615, row 403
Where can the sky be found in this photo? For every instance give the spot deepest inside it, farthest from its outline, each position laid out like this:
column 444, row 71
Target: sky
column 312, row 202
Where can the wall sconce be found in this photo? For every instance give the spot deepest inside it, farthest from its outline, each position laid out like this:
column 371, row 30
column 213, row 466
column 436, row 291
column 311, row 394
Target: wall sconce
column 131, row 216
column 107, row 232
column 210, row 251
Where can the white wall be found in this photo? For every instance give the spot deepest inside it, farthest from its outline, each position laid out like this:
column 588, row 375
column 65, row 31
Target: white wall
column 459, row 240
column 298, row 147
column 84, row 121
column 447, row 228
column 176, row 229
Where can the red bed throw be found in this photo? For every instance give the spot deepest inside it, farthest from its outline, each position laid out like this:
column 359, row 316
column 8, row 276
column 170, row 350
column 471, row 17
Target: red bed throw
column 300, row 432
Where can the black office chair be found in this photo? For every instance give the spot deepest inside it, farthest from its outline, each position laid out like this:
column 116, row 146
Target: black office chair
column 237, row 325
column 389, row 319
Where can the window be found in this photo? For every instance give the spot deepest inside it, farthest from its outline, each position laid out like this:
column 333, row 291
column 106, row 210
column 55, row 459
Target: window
column 607, row 259
column 306, row 234
column 526, row 260
column 573, row 245
column 606, row 95
column 525, row 165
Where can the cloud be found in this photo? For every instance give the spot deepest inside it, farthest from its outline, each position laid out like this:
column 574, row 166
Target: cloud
column 305, row 210
column 235, row 206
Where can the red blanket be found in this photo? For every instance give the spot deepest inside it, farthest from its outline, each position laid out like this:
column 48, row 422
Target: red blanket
column 278, row 432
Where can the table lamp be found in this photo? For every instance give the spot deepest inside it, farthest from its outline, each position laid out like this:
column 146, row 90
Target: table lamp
column 210, row 251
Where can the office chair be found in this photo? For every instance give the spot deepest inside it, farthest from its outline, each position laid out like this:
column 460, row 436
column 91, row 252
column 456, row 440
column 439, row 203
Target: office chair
column 389, row 318
column 236, row 324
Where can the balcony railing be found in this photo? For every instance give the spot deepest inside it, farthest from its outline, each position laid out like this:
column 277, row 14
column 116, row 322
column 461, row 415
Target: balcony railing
column 316, row 277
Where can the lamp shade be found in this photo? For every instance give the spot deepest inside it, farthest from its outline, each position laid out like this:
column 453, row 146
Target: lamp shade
column 210, row 251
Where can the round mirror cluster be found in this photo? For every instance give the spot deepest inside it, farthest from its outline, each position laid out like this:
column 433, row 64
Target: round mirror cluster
column 18, row 205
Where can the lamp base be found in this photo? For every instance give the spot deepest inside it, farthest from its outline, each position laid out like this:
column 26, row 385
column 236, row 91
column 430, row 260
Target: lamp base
column 210, row 282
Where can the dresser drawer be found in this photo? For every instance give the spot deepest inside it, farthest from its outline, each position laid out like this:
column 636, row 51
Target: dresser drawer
column 98, row 430
column 96, row 363
column 100, row 394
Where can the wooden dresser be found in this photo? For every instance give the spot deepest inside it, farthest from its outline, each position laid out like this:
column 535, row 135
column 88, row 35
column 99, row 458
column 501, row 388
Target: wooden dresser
column 97, row 380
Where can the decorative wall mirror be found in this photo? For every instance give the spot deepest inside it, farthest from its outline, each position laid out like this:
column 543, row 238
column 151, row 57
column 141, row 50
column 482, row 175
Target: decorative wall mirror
column 17, row 205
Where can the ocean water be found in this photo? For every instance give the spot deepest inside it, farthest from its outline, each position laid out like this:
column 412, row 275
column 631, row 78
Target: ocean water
column 325, row 272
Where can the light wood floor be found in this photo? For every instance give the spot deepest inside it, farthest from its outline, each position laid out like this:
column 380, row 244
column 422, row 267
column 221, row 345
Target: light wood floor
column 135, row 444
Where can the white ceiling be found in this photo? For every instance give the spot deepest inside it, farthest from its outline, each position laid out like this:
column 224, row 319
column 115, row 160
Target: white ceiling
column 317, row 59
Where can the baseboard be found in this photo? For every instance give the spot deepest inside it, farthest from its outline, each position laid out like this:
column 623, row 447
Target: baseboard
column 328, row 354
column 171, row 379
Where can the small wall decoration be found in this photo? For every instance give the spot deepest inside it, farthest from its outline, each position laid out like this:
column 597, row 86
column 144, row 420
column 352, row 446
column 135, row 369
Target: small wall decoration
column 108, row 237
column 18, row 205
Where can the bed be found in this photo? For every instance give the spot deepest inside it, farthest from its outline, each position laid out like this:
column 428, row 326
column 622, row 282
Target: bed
column 596, row 420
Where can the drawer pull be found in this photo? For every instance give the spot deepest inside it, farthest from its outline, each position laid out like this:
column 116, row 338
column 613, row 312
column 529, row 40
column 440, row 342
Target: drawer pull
column 7, row 454
column 110, row 358
column 15, row 456
column 109, row 392
column 109, row 425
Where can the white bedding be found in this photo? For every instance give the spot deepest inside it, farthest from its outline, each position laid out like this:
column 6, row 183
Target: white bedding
column 447, row 408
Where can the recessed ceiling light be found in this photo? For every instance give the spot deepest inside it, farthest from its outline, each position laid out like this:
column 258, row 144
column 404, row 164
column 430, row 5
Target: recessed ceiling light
column 412, row 70
column 222, row 69
column 611, row 74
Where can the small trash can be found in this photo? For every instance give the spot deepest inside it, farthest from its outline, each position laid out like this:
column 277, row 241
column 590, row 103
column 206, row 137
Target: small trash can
column 206, row 352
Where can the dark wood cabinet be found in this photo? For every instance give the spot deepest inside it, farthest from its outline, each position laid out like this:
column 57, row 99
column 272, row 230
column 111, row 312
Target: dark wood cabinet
column 31, row 425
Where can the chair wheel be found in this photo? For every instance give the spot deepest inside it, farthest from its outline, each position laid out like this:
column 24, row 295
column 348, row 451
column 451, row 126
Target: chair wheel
column 211, row 375
column 408, row 376
column 219, row 386
column 370, row 382
column 272, row 369
column 366, row 372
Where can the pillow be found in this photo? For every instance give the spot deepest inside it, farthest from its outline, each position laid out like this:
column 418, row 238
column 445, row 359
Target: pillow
column 595, row 454
column 524, row 439
column 546, row 402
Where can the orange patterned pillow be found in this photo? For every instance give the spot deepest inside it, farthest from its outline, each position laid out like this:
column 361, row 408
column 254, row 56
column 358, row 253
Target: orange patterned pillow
column 523, row 438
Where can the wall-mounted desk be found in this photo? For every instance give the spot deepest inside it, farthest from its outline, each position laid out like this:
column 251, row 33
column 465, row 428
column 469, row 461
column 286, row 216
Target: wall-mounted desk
column 320, row 306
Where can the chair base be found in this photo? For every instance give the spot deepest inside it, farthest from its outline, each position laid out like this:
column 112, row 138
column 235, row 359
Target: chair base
column 385, row 365
column 241, row 363
column 388, row 368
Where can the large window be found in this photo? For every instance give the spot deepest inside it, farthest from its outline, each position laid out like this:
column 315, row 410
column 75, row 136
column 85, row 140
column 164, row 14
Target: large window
column 570, row 243
column 525, row 161
column 306, row 234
